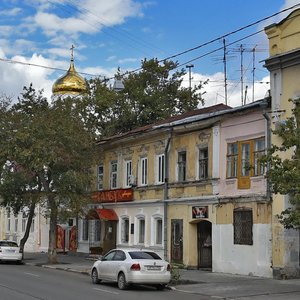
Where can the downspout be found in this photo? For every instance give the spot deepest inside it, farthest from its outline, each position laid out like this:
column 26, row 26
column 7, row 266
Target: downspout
column 266, row 116
column 166, row 195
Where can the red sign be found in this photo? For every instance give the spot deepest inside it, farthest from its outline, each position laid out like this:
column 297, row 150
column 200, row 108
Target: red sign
column 119, row 195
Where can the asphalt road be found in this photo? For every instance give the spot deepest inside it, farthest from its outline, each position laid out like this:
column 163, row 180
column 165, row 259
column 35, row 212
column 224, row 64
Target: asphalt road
column 26, row 282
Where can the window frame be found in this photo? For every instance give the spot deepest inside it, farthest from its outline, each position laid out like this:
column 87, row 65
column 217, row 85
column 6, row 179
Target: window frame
column 123, row 236
column 243, row 226
column 141, row 230
column 160, row 167
column 144, row 171
column 100, row 176
column 113, row 174
column 181, row 165
column 127, row 173
column 202, row 163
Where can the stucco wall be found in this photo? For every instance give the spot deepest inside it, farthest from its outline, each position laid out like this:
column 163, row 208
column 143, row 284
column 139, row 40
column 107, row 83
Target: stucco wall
column 242, row 259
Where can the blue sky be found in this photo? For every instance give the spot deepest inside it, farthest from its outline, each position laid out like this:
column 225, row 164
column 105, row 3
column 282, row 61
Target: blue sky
column 120, row 33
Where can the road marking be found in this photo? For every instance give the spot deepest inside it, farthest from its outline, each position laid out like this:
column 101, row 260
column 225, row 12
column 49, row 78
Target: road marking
column 101, row 290
column 31, row 274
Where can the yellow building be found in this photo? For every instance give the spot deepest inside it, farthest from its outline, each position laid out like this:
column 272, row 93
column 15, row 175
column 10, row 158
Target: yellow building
column 165, row 187
column 284, row 67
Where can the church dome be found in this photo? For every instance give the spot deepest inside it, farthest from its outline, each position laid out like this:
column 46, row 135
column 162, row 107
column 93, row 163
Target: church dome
column 70, row 83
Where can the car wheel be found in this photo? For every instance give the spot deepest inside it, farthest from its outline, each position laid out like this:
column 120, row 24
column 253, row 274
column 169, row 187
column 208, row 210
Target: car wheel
column 122, row 284
column 94, row 276
column 19, row 262
column 160, row 287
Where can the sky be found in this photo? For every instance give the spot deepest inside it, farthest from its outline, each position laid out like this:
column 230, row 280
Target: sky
column 36, row 37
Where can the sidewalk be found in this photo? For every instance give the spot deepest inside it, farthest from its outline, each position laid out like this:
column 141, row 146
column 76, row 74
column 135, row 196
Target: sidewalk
column 205, row 283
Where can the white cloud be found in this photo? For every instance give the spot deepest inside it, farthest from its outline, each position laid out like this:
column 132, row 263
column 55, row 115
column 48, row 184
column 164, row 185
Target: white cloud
column 15, row 76
column 10, row 12
column 91, row 17
column 215, row 91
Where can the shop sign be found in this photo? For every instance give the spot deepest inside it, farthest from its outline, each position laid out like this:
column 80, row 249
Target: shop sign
column 200, row 212
column 118, row 195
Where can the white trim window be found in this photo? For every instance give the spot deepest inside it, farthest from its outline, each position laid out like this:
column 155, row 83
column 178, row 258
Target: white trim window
column 125, row 230
column 160, row 167
column 141, row 230
column 113, row 175
column 100, row 171
column 128, row 173
column 158, row 224
column 144, row 171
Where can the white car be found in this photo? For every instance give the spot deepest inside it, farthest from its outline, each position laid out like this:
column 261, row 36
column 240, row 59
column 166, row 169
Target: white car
column 10, row 251
column 132, row 266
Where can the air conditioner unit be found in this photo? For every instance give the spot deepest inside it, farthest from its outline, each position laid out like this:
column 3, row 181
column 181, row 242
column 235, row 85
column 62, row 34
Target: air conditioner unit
column 132, row 180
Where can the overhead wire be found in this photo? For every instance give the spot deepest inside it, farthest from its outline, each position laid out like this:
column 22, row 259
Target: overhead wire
column 180, row 53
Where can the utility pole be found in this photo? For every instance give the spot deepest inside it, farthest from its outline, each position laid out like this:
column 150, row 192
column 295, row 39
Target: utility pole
column 225, row 70
column 190, row 79
column 242, row 71
column 253, row 72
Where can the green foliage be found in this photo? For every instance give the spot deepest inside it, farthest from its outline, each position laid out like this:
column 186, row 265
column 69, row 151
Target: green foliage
column 47, row 154
column 284, row 173
column 152, row 94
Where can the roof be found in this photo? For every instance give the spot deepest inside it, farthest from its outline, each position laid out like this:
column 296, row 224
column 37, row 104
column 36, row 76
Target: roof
column 195, row 112
column 188, row 117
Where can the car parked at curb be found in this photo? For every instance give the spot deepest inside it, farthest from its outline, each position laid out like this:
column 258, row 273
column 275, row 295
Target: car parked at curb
column 132, row 266
column 10, row 251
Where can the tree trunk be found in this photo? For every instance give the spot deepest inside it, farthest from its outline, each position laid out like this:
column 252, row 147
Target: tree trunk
column 28, row 225
column 52, row 253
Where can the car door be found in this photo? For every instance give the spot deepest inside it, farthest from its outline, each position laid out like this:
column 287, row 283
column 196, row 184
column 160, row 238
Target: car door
column 115, row 265
column 104, row 268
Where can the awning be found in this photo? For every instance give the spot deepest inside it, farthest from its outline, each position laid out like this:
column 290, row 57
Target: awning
column 107, row 214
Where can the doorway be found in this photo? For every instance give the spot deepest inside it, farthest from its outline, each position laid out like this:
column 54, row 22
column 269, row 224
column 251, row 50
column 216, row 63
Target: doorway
column 204, row 244
column 177, row 241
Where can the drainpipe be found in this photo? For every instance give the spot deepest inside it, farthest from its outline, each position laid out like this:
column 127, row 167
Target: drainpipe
column 166, row 196
column 267, row 117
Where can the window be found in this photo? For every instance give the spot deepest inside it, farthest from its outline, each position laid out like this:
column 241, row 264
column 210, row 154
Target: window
column 242, row 226
column 232, row 155
column 243, row 160
column 160, row 168
column 128, row 173
column 85, row 229
column 144, row 171
column 203, row 163
column 125, row 230
column 100, row 177
column 181, row 166
column 259, row 151
column 113, row 175
column 158, row 231
column 8, row 222
column 141, row 231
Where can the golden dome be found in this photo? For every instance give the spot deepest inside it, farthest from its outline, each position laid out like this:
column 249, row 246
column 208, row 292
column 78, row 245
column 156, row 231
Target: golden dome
column 70, row 83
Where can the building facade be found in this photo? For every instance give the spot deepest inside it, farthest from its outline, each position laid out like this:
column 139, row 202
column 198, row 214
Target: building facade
column 284, row 66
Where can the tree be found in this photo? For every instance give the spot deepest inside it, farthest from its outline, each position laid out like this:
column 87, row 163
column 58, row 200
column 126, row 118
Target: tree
column 284, row 173
column 152, row 94
column 54, row 152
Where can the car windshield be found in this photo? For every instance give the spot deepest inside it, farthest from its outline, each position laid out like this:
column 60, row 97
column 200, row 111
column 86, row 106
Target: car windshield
column 143, row 255
column 8, row 244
